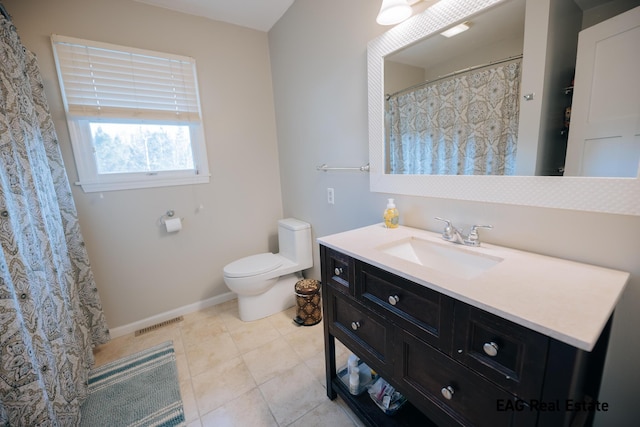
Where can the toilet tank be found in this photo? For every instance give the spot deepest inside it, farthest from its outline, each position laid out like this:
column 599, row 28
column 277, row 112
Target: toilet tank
column 294, row 240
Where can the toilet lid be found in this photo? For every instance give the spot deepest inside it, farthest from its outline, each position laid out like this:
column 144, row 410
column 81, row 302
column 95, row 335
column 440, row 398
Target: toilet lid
column 253, row 265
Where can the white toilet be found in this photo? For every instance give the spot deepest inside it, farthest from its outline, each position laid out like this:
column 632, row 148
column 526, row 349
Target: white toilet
column 265, row 282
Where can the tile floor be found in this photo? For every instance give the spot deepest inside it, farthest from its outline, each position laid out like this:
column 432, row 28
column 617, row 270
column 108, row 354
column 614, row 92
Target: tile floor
column 269, row 372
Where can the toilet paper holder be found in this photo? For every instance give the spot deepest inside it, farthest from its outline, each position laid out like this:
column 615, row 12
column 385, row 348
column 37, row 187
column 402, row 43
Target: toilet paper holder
column 168, row 215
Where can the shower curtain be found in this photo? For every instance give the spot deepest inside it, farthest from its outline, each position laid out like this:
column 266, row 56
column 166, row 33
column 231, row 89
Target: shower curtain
column 50, row 312
column 466, row 124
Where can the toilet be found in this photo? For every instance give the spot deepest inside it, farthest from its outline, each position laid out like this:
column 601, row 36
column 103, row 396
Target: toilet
column 265, row 282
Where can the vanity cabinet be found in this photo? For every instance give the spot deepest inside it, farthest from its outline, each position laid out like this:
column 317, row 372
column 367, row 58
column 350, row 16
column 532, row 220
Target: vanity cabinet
column 510, row 355
column 366, row 332
column 449, row 393
column 412, row 307
column 455, row 363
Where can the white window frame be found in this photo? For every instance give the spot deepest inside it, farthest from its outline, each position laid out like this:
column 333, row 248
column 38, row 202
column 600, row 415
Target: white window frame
column 79, row 117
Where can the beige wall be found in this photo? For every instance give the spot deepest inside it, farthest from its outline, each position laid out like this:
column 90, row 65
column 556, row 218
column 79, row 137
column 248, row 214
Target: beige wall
column 398, row 76
column 319, row 69
column 140, row 270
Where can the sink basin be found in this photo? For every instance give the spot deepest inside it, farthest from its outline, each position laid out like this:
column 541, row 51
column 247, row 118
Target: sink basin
column 447, row 258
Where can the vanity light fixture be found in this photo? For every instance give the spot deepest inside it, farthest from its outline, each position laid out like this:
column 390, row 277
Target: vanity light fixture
column 393, row 12
column 460, row 28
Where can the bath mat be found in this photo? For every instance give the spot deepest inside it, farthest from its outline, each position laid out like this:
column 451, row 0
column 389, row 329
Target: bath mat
column 139, row 390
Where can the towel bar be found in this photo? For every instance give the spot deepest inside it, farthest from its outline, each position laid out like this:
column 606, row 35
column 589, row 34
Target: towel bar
column 325, row 168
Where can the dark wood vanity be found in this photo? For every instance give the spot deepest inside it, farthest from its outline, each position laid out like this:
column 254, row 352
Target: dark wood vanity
column 456, row 364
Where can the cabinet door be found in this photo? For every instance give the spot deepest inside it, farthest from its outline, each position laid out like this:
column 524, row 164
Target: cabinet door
column 362, row 331
column 451, row 394
column 604, row 138
column 337, row 270
column 424, row 312
column 511, row 355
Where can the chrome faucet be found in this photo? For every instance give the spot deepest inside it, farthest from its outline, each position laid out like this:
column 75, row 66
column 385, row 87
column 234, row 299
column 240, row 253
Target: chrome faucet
column 451, row 233
column 456, row 235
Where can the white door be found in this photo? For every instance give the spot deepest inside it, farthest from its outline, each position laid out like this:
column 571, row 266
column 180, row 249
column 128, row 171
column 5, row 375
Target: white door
column 604, row 137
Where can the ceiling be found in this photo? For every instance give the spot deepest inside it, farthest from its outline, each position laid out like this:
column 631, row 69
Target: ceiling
column 263, row 14
column 497, row 24
column 256, row 14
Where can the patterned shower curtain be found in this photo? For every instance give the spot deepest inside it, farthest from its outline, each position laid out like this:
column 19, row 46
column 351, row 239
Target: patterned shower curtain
column 466, row 124
column 50, row 312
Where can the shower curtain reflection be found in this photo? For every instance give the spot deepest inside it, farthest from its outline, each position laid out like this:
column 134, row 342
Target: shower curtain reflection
column 50, row 312
column 466, row 124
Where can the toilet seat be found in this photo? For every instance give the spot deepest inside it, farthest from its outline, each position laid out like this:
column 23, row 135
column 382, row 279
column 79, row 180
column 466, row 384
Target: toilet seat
column 253, row 265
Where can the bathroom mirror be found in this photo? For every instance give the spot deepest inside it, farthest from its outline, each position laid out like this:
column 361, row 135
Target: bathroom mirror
column 613, row 195
column 442, row 94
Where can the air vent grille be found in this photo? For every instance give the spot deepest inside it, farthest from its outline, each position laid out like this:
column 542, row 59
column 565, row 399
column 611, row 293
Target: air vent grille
column 158, row 325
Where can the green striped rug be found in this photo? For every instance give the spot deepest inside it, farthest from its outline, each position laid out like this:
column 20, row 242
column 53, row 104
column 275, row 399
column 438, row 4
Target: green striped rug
column 137, row 390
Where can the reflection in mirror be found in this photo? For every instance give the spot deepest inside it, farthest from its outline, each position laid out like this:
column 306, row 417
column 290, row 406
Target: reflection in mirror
column 549, row 24
column 604, row 139
column 454, row 107
column 451, row 102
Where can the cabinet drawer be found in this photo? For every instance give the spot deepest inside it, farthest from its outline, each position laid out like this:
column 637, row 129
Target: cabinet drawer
column 424, row 372
column 424, row 312
column 337, row 270
column 364, row 332
column 510, row 355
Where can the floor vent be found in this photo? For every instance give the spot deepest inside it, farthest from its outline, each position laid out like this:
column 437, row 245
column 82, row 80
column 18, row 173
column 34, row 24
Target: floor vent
column 158, row 325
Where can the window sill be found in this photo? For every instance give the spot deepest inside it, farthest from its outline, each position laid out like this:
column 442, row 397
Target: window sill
column 93, row 187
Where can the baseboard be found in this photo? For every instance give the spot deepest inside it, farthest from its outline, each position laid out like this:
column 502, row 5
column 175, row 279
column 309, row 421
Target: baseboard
column 149, row 321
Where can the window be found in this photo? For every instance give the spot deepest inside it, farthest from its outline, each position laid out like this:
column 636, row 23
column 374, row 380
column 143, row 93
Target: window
column 134, row 115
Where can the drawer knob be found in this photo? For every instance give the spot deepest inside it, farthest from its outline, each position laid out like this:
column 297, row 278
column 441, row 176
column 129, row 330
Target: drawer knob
column 447, row 392
column 355, row 325
column 338, row 271
column 490, row 348
column 394, row 299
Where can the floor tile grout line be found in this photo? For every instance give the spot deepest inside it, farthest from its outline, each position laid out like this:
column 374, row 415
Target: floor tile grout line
column 284, row 326
column 193, row 391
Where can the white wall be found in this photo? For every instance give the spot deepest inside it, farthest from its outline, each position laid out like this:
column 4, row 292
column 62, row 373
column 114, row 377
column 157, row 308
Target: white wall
column 140, row 270
column 319, row 72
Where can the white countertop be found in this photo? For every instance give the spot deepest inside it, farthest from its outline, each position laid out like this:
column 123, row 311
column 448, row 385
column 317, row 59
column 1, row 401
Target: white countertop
column 565, row 300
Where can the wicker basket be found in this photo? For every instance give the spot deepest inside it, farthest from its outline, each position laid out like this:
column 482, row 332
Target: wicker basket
column 309, row 310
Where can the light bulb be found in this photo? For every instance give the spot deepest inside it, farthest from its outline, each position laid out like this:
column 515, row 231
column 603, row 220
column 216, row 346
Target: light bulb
column 393, row 12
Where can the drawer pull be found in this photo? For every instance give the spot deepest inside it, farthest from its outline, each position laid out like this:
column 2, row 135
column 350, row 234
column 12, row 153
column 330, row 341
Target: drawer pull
column 447, row 392
column 355, row 325
column 394, row 299
column 490, row 348
column 338, row 271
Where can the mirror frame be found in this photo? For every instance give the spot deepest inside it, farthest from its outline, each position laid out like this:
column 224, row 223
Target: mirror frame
column 605, row 195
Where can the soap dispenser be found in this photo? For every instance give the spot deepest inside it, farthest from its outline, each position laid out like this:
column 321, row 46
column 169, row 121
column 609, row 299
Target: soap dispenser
column 391, row 215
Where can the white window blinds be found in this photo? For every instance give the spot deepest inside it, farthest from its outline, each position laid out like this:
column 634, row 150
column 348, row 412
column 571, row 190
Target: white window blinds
column 100, row 80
